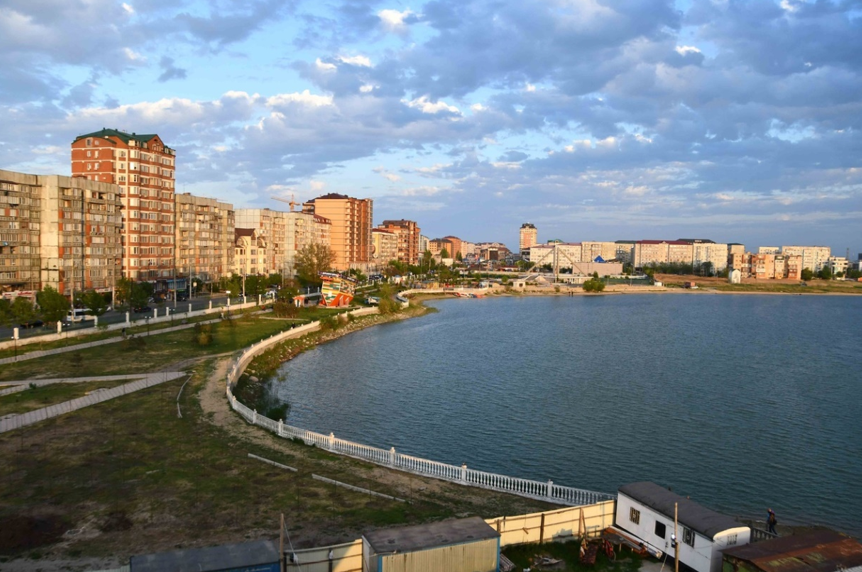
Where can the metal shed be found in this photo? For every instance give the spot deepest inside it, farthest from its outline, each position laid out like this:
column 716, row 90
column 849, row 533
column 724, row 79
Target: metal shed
column 819, row 551
column 465, row 545
column 259, row 556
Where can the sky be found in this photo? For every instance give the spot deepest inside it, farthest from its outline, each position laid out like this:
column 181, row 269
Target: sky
column 592, row 119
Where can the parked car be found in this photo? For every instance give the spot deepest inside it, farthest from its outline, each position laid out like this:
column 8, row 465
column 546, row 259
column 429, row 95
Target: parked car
column 142, row 309
column 32, row 324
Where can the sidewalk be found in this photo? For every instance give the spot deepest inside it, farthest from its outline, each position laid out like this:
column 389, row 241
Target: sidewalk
column 144, row 381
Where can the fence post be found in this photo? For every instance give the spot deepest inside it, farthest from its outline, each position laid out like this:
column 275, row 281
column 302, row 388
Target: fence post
column 392, row 456
column 254, row 417
column 331, row 441
column 464, row 472
column 550, row 488
column 280, row 427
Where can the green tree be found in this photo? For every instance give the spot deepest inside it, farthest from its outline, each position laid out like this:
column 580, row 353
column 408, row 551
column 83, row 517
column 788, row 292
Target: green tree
column 458, row 257
column 95, row 302
column 275, row 279
column 595, row 275
column 706, row 268
column 6, row 316
column 23, row 310
column 357, row 275
column 854, row 274
column 53, row 305
column 594, row 285
column 311, row 261
column 444, row 253
column 807, row 274
column 254, row 285
column 427, row 262
column 825, row 273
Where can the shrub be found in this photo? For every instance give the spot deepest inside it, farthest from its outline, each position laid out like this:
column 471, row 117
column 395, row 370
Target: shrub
column 285, row 310
column 203, row 335
column 594, row 285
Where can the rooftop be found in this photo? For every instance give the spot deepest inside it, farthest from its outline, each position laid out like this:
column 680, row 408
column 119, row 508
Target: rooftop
column 425, row 536
column 228, row 556
column 818, row 551
column 691, row 514
column 122, row 136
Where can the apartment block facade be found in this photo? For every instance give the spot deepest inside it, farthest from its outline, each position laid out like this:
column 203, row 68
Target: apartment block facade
column 204, row 239
column 407, row 233
column 350, row 231
column 270, row 227
column 385, row 246
column 250, row 253
column 813, row 257
column 144, row 169
column 302, row 230
column 58, row 231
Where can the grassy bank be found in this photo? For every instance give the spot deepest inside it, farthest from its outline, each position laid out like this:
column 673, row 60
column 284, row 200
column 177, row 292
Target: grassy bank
column 129, row 476
column 37, row 397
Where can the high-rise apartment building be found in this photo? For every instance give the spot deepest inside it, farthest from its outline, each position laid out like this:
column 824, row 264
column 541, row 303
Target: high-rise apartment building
column 204, row 239
column 813, row 257
column 302, row 230
column 529, row 236
column 350, row 233
column 407, row 234
column 250, row 257
column 143, row 167
column 58, row 231
column 270, row 226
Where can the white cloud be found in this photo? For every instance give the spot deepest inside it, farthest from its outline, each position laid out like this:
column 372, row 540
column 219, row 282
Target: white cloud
column 366, row 88
column 324, row 66
column 128, row 8
column 133, row 56
column 316, row 186
column 426, row 106
column 304, row 98
column 685, row 50
column 477, row 107
column 530, row 87
column 356, row 60
column 393, row 20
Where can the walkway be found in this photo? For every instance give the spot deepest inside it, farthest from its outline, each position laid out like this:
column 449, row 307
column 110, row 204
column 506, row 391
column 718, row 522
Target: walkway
column 143, row 381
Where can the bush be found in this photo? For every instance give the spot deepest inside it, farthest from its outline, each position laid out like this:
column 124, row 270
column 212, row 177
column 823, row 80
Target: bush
column 594, row 285
column 203, row 335
column 285, row 310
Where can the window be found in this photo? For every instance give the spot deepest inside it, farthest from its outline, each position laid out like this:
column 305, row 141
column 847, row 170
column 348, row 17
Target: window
column 89, row 144
column 660, row 529
column 634, row 514
column 688, row 536
column 731, row 539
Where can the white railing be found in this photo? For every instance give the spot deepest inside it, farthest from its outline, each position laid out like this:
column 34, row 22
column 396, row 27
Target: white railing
column 541, row 490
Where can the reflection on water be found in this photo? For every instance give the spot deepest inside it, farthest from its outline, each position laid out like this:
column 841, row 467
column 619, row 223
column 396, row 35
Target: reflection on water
column 742, row 402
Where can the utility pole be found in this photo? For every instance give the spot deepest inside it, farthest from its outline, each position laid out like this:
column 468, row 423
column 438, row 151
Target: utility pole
column 281, row 562
column 676, row 541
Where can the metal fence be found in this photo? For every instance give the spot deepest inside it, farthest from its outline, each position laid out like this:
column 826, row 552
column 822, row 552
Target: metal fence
column 539, row 490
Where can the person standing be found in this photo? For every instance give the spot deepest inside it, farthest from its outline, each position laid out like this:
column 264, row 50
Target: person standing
column 771, row 521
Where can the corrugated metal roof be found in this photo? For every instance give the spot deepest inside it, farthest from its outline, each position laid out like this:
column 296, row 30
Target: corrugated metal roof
column 818, row 551
column 225, row 557
column 425, row 536
column 691, row 514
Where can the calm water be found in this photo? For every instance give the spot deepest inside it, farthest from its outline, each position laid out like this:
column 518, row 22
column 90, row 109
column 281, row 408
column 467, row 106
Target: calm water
column 742, row 402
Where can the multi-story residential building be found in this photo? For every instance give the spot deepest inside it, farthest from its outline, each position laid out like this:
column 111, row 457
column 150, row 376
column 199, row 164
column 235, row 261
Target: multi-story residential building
column 793, row 266
column 558, row 254
column 740, row 261
column 350, row 233
column 469, row 249
column 590, row 250
column 763, row 266
column 250, row 254
column 205, row 242
column 450, row 244
column 529, row 236
column 813, row 257
column 707, row 251
column 58, row 231
column 768, row 250
column 385, row 246
column 270, row 226
column 423, row 243
column 625, row 251
column 647, row 252
column 837, row 264
column 456, row 246
column 143, row 167
column 407, row 233
column 302, row 230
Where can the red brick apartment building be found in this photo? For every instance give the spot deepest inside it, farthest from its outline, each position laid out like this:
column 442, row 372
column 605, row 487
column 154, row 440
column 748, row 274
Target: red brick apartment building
column 143, row 167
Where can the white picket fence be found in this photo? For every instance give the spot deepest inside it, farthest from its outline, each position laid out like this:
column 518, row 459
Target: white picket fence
column 539, row 490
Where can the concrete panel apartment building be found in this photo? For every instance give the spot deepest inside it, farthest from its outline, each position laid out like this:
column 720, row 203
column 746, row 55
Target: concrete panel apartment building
column 694, row 251
column 527, row 237
column 143, row 168
column 385, row 246
column 58, row 231
column 279, row 237
column 350, row 231
column 204, row 239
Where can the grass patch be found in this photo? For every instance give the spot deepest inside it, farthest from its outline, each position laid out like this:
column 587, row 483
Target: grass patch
column 38, row 397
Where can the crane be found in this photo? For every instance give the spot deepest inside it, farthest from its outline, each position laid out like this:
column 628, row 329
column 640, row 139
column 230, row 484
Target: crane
column 291, row 202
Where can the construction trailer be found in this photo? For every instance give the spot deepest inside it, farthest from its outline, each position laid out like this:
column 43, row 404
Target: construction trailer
column 646, row 511
column 464, row 545
column 259, row 556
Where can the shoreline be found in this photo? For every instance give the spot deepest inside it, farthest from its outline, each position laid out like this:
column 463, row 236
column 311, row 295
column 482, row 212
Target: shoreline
column 618, row 289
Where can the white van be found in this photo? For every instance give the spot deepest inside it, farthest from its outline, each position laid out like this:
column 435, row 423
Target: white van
column 78, row 315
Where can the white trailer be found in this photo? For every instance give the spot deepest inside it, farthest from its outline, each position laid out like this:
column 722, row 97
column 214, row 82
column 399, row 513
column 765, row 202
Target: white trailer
column 646, row 511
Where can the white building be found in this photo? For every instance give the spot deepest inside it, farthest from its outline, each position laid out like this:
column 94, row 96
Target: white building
column 837, row 264
column 566, row 254
column 813, row 257
column 646, row 510
column 711, row 252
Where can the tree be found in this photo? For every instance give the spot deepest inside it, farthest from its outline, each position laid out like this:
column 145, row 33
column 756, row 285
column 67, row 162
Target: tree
column 595, row 275
column 54, row 306
column 427, row 262
column 95, row 302
column 458, row 257
column 825, row 273
column 311, row 261
column 133, row 294
column 807, row 274
column 6, row 317
column 23, row 310
column 254, row 285
column 594, row 285
column 706, row 268
column 357, row 275
column 444, row 253
column 854, row 274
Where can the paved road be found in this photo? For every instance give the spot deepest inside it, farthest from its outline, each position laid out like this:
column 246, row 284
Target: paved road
column 143, row 381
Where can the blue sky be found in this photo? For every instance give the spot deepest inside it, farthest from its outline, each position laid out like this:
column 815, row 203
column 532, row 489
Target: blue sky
column 592, row 119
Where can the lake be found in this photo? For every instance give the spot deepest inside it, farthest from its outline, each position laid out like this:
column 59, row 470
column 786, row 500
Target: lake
column 742, row 402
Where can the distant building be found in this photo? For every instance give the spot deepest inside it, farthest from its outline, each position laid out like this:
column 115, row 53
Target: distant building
column 768, row 250
column 270, row 226
column 423, row 243
column 813, row 257
column 407, row 233
column 385, row 246
column 734, row 277
column 837, row 264
column 301, row 230
column 204, row 239
column 143, row 167
column 529, row 236
column 249, row 252
column 350, row 233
